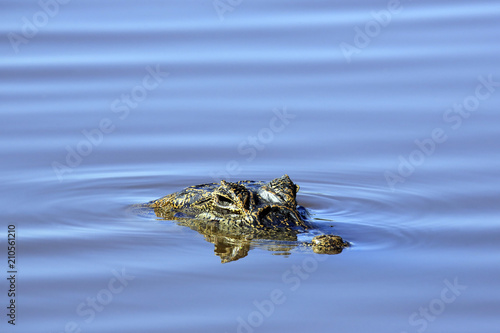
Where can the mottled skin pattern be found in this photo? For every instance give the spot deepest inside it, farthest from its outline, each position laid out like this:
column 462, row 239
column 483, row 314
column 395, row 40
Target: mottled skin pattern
column 231, row 214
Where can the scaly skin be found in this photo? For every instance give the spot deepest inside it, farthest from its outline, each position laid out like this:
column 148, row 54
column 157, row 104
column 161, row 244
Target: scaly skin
column 231, row 214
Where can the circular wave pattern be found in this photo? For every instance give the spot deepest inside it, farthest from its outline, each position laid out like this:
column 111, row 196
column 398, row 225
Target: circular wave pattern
column 370, row 218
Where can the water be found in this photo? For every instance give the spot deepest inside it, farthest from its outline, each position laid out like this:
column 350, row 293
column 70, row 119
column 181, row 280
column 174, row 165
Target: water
column 391, row 132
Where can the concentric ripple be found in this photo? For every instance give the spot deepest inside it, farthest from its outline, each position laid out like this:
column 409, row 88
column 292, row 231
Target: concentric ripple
column 370, row 218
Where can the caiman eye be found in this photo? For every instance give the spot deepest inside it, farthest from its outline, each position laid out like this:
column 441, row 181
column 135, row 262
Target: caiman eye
column 224, row 201
column 231, row 197
column 280, row 189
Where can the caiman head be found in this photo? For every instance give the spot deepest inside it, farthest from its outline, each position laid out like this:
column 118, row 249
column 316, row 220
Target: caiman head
column 243, row 204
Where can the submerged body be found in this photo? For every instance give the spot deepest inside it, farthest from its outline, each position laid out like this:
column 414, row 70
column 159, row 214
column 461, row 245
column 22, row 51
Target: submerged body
column 226, row 212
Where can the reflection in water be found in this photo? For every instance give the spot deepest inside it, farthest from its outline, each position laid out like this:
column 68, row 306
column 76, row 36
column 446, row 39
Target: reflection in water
column 231, row 243
column 229, row 249
column 235, row 243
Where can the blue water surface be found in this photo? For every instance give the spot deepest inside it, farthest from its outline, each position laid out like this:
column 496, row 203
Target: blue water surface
column 384, row 112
